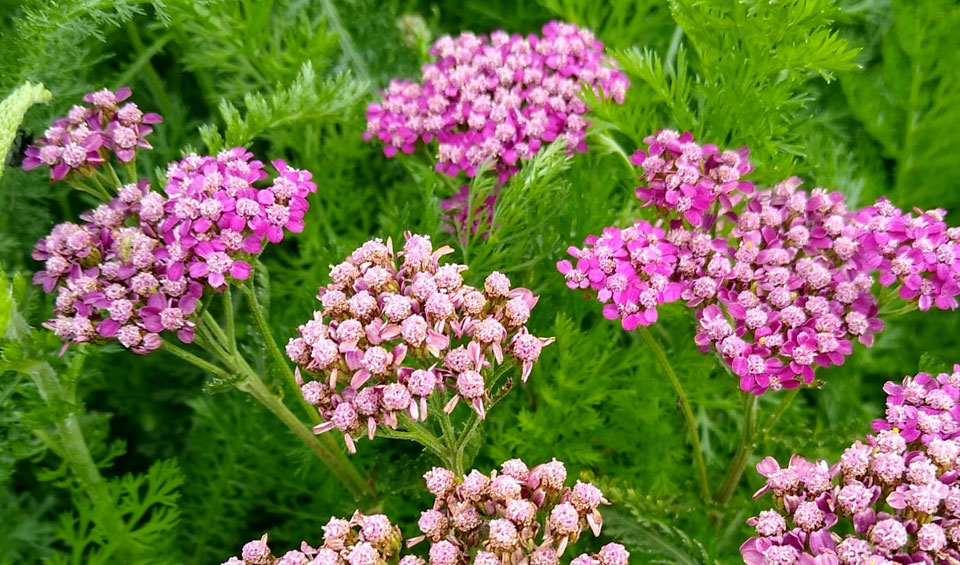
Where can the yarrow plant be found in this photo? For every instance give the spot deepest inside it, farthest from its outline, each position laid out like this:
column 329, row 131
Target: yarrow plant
column 397, row 330
column 492, row 101
column 518, row 516
column 893, row 499
column 144, row 262
column 781, row 280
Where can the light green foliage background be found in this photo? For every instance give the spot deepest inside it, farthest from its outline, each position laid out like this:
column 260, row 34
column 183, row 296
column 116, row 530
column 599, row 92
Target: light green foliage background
column 860, row 96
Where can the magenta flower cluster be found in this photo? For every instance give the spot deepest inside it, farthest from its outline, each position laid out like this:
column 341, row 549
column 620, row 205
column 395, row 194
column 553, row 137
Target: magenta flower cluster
column 88, row 135
column 139, row 263
column 518, row 516
column 494, row 100
column 394, row 329
column 892, row 500
column 781, row 280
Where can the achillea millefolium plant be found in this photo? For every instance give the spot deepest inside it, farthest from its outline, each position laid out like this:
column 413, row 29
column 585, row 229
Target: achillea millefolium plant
column 292, row 283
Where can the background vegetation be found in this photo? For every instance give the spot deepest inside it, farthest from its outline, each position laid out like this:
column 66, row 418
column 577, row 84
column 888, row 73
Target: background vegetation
column 860, row 96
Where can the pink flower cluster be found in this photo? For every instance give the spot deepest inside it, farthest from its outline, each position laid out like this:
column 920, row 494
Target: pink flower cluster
column 85, row 138
column 918, row 253
column 391, row 334
column 361, row 540
column 781, row 279
column 687, row 179
column 519, row 516
column 892, row 500
column 139, row 263
column 497, row 99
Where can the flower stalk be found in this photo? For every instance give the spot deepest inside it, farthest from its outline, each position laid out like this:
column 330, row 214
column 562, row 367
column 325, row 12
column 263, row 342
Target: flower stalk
column 685, row 407
column 744, row 449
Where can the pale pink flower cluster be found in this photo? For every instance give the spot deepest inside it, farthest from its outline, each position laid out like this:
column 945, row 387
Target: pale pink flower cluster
column 892, row 500
column 520, row 516
column 361, row 540
column 781, row 280
column 395, row 329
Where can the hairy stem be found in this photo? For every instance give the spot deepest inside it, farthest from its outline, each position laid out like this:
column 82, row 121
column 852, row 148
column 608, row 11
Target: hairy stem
column 685, row 407
column 421, row 434
column 744, row 450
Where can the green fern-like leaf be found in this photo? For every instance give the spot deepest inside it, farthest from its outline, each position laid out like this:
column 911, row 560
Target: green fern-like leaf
column 307, row 98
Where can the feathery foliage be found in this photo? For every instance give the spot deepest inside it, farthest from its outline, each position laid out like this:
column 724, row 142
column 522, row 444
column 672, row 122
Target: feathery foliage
column 861, row 97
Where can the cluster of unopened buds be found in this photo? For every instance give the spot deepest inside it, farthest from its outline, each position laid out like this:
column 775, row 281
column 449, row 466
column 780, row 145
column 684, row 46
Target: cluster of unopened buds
column 396, row 329
column 781, row 280
column 892, row 500
column 518, row 516
column 86, row 137
column 139, row 263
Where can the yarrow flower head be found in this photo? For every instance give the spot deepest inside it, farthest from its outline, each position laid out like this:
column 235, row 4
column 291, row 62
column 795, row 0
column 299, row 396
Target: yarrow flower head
column 513, row 516
column 893, row 499
column 780, row 279
column 521, row 515
column 494, row 100
column 89, row 134
column 497, row 98
column 139, row 264
column 396, row 328
column 361, row 540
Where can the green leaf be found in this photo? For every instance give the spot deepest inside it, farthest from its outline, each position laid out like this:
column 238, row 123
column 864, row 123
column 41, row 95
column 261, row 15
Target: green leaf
column 12, row 110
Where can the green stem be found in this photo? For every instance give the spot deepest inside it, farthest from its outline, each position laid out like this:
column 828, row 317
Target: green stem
column 71, row 445
column 664, row 363
column 278, row 357
column 781, row 409
column 422, row 435
column 211, row 324
column 114, row 178
column 335, row 460
column 267, row 335
column 252, row 384
column 906, row 309
column 97, row 193
column 469, row 430
column 195, row 360
column 744, row 450
column 228, row 314
column 130, row 168
column 346, row 43
column 673, row 49
column 233, row 359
